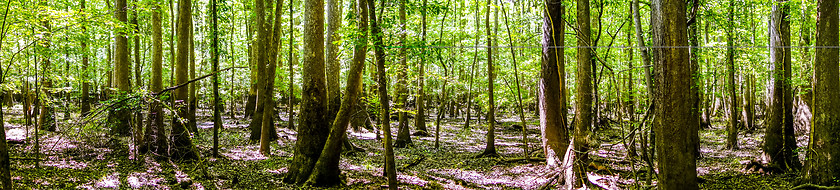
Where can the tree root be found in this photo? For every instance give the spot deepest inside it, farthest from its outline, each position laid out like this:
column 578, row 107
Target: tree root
column 412, row 164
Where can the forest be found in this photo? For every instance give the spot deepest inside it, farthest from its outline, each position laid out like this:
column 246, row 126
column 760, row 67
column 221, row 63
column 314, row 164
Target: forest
column 420, row 94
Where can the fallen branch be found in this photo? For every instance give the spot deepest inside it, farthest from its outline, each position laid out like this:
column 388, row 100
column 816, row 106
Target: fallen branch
column 550, row 181
column 524, row 159
column 809, row 186
column 193, row 80
column 413, row 163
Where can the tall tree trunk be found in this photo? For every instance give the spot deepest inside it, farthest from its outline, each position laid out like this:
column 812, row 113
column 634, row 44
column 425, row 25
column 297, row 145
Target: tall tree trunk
column 732, row 129
column 385, row 109
column 292, row 62
column 490, row 145
column 583, row 98
column 214, row 59
column 85, row 107
column 403, row 134
column 266, row 57
column 138, row 119
column 334, row 17
column 193, row 101
column 640, row 40
column 268, row 133
column 552, row 88
column 326, row 172
column 420, row 118
column 694, row 60
column 155, row 129
column 823, row 162
column 674, row 116
column 776, row 152
column 314, row 128
column 121, row 116
column 182, row 146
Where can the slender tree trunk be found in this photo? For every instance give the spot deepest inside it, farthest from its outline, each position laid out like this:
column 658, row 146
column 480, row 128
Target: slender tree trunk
column 384, row 120
column 583, row 98
column 182, row 146
column 268, row 132
column 552, row 100
column 673, row 142
column 334, row 17
column 640, row 40
column 121, row 117
column 193, row 101
column 292, row 62
column 694, row 60
column 823, row 162
column 732, row 129
column 490, row 145
column 420, row 118
column 85, row 107
column 403, row 134
column 214, row 59
column 266, row 56
column 138, row 119
column 314, row 128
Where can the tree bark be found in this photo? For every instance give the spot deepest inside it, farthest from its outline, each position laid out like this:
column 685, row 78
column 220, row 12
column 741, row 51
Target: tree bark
column 268, row 133
column 314, row 128
column 490, row 145
column 552, row 88
column 384, row 120
column 121, row 116
column 583, row 97
column 420, row 118
column 732, row 129
column 326, row 172
column 182, row 146
column 674, row 116
column 403, row 134
column 334, row 17
column 85, row 107
column 777, row 151
column 823, row 162
column 155, row 129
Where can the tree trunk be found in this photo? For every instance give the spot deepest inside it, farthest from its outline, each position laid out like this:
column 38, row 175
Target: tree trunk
column 583, row 97
column 552, row 88
column 490, row 148
column 264, row 103
column 732, row 129
column 403, row 134
column 420, row 118
column 326, row 172
column 823, row 162
column 268, row 133
column 334, row 17
column 138, row 119
column 155, row 129
column 384, row 120
column 214, row 59
column 694, row 60
column 85, row 107
column 640, row 40
column 121, row 116
column 182, row 146
column 292, row 62
column 314, row 128
column 674, row 116
column 193, row 101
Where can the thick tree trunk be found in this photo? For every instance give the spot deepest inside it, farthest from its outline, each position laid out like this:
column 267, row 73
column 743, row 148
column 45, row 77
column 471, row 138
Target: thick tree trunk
column 264, row 45
column 121, row 117
column 314, row 128
column 155, row 130
column 552, row 88
column 326, row 172
column 268, row 133
column 420, row 118
column 674, row 116
column 823, row 162
column 182, row 146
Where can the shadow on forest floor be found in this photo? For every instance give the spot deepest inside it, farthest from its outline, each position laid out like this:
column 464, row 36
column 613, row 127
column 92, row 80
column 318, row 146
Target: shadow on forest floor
column 80, row 157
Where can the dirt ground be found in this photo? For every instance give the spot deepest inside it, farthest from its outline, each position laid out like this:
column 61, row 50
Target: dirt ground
column 83, row 157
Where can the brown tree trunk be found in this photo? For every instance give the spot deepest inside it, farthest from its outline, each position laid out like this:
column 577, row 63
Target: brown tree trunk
column 420, row 118
column 122, row 76
column 780, row 140
column 182, row 146
column 404, row 133
column 490, row 145
column 268, row 133
column 155, row 130
column 823, row 162
column 552, row 88
column 385, row 109
column 583, row 98
column 732, row 129
column 85, row 107
column 326, row 172
column 314, row 128
column 674, row 116
column 334, row 17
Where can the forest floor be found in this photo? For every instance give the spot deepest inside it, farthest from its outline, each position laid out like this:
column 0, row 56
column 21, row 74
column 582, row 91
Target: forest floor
column 85, row 158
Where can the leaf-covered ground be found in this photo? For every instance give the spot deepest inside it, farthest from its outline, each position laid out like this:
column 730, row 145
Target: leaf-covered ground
column 84, row 157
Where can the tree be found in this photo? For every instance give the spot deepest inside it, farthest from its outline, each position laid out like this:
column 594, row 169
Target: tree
column 779, row 140
column 313, row 126
column 552, row 88
column 583, row 97
column 268, row 132
column 403, row 133
column 214, row 59
column 385, row 109
column 420, row 118
column 674, row 115
column 155, row 125
column 182, row 146
column 326, row 169
column 46, row 121
column 85, row 107
column 121, row 116
column 823, row 157
column 265, row 56
column 490, row 148
column 334, row 17
column 732, row 129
